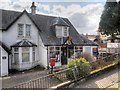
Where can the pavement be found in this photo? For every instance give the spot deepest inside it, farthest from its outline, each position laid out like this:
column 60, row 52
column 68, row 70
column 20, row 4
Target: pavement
column 110, row 79
column 15, row 79
column 24, row 76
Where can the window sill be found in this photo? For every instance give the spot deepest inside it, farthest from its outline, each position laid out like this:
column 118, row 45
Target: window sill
column 28, row 37
column 20, row 36
column 27, row 62
column 24, row 36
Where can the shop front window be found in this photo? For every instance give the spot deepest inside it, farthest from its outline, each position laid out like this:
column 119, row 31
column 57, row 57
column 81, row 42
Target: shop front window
column 55, row 53
column 70, row 52
column 78, row 51
column 95, row 52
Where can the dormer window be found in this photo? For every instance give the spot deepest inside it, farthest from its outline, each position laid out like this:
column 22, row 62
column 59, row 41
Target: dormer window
column 61, row 27
column 62, row 31
column 65, row 31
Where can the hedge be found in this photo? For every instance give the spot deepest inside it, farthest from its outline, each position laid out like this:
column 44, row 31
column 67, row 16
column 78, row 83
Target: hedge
column 98, row 70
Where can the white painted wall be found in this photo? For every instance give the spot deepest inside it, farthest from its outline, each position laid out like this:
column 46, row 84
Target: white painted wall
column 42, row 53
column 4, row 62
column 10, row 37
column 43, row 56
column 0, row 35
column 88, row 49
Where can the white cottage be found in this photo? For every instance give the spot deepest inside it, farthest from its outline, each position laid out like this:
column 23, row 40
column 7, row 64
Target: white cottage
column 33, row 39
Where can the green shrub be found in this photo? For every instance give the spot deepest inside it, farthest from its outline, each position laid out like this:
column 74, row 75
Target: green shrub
column 85, row 68
column 81, row 66
column 117, row 87
column 69, row 74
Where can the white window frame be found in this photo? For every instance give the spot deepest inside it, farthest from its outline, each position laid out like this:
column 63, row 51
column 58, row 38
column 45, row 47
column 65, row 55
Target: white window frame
column 63, row 31
column 55, row 51
column 19, row 31
column 14, row 52
column 26, row 52
column 79, row 49
column 33, row 54
column 59, row 31
column 26, row 30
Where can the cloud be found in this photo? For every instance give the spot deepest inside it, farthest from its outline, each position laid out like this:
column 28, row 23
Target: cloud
column 79, row 19
column 17, row 5
column 84, row 18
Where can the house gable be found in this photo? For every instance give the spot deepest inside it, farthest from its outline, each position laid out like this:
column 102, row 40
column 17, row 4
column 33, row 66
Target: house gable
column 11, row 35
column 10, row 17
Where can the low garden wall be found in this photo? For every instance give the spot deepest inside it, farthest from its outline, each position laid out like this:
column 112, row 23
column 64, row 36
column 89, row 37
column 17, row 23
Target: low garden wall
column 94, row 73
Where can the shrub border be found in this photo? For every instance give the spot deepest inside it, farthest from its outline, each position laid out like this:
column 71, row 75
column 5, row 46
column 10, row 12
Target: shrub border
column 93, row 73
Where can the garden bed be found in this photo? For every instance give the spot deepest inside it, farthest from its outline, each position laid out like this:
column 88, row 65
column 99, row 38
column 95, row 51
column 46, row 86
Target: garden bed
column 93, row 73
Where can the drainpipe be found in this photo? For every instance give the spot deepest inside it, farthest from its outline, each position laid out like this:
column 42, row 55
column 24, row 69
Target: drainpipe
column 47, row 58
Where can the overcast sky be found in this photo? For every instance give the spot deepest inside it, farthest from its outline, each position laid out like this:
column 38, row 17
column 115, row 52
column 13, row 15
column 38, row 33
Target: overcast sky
column 83, row 14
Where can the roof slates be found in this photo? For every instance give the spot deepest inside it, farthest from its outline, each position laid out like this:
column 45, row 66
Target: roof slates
column 43, row 23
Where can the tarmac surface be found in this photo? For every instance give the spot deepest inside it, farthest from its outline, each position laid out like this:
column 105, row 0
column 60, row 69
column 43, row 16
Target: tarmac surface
column 15, row 79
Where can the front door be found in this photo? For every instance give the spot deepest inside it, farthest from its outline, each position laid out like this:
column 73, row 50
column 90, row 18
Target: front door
column 67, row 53
column 64, row 55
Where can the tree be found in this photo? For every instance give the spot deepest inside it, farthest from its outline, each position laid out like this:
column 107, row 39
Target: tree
column 109, row 19
column 116, row 14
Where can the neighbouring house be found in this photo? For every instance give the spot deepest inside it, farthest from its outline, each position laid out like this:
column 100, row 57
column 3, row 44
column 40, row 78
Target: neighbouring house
column 113, row 48
column 91, row 37
column 107, row 38
column 31, row 39
column 105, row 44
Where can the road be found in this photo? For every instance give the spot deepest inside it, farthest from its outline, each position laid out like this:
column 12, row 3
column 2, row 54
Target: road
column 110, row 79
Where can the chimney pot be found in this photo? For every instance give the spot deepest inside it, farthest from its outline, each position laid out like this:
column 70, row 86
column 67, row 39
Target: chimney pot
column 33, row 8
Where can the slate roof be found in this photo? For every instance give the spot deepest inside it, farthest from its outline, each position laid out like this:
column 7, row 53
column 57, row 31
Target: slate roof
column 46, row 32
column 59, row 21
column 5, row 47
column 24, row 43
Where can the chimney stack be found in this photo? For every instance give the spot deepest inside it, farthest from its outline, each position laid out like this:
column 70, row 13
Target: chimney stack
column 33, row 8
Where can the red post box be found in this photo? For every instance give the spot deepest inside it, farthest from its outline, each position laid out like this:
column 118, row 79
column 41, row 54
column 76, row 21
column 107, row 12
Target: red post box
column 52, row 61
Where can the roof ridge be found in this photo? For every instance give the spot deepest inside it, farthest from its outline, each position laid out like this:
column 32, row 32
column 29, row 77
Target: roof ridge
column 11, row 10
